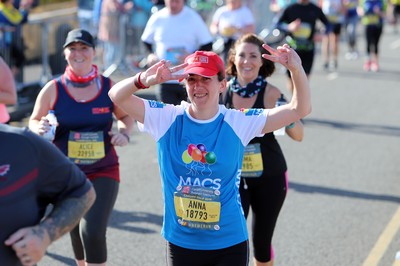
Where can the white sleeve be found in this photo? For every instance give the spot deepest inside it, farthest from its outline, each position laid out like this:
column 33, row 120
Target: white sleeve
column 158, row 117
column 247, row 123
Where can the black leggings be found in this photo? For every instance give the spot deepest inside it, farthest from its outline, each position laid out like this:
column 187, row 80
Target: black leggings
column 265, row 195
column 237, row 255
column 373, row 34
column 89, row 237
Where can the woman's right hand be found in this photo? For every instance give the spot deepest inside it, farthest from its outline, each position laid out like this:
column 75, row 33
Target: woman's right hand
column 162, row 72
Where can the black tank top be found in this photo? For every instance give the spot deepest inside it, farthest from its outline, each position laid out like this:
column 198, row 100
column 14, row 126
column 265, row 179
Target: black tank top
column 95, row 115
column 273, row 159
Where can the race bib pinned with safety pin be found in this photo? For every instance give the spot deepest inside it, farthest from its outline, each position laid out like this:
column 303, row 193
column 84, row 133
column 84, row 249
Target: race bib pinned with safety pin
column 198, row 207
column 86, row 147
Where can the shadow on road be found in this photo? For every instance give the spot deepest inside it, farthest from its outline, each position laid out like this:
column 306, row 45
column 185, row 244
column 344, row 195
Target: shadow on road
column 64, row 260
column 127, row 221
column 363, row 128
column 303, row 188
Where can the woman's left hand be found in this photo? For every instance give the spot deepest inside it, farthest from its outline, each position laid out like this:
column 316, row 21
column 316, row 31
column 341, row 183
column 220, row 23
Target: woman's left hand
column 283, row 55
column 119, row 139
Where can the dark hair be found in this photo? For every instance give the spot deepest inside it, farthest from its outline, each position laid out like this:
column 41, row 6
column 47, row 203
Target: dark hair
column 267, row 68
column 221, row 76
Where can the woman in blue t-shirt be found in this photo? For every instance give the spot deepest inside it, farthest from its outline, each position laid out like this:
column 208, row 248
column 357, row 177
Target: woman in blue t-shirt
column 200, row 152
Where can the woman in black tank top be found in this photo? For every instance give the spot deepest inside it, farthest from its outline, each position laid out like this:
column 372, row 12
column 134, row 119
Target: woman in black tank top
column 264, row 172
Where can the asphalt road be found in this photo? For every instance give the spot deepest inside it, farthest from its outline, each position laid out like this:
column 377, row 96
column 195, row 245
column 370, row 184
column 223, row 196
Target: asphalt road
column 342, row 206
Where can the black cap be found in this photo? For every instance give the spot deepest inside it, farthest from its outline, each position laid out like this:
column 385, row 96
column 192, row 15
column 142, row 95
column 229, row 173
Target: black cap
column 79, row 35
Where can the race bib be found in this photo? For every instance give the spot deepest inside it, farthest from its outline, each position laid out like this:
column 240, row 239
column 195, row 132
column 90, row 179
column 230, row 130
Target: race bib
column 334, row 18
column 252, row 165
column 198, row 207
column 304, row 31
column 85, row 147
column 372, row 19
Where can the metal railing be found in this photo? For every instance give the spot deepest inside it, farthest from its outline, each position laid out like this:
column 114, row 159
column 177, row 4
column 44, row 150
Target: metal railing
column 45, row 20
column 5, row 51
column 121, row 63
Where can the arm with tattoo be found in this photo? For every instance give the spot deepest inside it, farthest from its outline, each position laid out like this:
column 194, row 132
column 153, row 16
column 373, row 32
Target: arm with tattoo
column 66, row 215
column 30, row 243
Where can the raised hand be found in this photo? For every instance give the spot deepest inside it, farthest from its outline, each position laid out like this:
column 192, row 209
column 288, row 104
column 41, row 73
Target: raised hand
column 283, row 55
column 162, row 72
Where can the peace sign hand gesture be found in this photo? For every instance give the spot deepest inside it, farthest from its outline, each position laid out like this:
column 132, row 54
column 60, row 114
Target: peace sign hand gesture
column 162, row 72
column 283, row 55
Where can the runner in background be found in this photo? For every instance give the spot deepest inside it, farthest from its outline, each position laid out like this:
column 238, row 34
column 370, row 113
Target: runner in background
column 299, row 20
column 231, row 21
column 394, row 14
column 85, row 135
column 12, row 18
column 277, row 7
column 171, row 34
column 263, row 185
column 335, row 11
column 372, row 14
column 350, row 24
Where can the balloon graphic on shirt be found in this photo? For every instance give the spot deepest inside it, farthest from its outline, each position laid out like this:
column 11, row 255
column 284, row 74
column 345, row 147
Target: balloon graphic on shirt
column 190, row 148
column 198, row 159
column 203, row 158
column 196, row 155
column 186, row 158
column 210, row 157
column 201, row 147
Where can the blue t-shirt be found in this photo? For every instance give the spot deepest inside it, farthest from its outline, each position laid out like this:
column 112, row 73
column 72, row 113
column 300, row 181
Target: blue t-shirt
column 200, row 165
